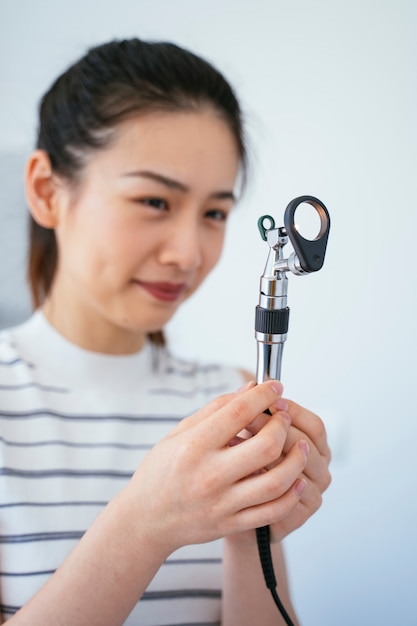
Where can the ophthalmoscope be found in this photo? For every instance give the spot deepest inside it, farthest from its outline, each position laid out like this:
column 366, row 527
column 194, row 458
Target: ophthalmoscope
column 272, row 317
column 272, row 313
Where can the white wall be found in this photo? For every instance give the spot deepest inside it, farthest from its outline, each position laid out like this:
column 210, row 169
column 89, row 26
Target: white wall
column 329, row 89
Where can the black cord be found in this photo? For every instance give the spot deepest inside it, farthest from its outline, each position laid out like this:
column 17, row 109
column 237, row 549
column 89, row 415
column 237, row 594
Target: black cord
column 264, row 549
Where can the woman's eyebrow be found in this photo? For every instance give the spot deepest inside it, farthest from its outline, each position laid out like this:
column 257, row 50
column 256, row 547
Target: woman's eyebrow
column 175, row 184
column 159, row 178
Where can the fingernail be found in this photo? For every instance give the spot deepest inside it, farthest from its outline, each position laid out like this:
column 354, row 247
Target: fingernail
column 246, row 386
column 299, row 486
column 277, row 387
column 281, row 404
column 304, row 447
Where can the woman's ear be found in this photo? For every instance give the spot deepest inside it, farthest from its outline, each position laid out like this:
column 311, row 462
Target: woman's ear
column 41, row 189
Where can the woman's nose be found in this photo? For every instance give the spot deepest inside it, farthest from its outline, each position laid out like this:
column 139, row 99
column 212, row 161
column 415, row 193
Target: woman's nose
column 182, row 246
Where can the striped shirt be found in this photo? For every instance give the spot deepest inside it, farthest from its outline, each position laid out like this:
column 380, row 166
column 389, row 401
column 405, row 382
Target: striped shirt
column 74, row 426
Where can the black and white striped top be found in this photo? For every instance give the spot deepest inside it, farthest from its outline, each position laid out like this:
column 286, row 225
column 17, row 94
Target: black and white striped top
column 74, row 425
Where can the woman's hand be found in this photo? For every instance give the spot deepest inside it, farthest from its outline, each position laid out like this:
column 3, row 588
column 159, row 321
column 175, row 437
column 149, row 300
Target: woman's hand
column 306, row 427
column 194, row 487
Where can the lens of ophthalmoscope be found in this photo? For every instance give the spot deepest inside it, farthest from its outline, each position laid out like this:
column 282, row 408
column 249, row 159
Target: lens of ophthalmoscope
column 310, row 252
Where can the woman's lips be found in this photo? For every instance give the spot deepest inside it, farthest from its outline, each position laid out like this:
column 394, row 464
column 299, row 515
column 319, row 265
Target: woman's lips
column 167, row 292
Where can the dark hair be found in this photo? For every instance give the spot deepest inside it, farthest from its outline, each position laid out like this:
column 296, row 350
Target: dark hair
column 111, row 83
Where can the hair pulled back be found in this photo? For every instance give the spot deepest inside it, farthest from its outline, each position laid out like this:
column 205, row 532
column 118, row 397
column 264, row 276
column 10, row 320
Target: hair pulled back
column 111, row 83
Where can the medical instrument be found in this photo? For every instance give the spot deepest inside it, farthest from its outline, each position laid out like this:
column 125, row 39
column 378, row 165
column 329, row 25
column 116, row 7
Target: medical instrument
column 272, row 316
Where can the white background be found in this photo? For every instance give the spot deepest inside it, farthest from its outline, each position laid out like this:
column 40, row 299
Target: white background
column 329, row 92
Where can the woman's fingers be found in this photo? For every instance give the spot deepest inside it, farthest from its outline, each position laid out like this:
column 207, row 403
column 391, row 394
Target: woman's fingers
column 261, row 450
column 308, row 504
column 275, row 476
column 311, row 425
column 225, row 417
column 209, row 487
column 303, row 420
column 266, row 497
column 317, row 466
column 271, row 485
column 307, row 426
column 272, row 496
column 242, row 410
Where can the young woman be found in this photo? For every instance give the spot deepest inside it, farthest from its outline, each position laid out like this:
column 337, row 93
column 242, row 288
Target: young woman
column 125, row 498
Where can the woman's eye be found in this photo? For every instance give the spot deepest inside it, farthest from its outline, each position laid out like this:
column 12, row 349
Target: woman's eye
column 218, row 215
column 155, row 203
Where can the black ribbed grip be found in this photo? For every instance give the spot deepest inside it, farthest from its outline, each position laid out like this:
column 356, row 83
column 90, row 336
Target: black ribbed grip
column 272, row 322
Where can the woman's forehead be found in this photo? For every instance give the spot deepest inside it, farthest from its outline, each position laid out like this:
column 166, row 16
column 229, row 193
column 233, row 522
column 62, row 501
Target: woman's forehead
column 176, row 145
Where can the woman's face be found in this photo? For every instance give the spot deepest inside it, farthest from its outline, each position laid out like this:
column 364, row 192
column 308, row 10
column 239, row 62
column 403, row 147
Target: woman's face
column 142, row 229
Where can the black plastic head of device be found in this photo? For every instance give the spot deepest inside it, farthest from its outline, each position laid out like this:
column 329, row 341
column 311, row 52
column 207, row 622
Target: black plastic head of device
column 309, row 252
